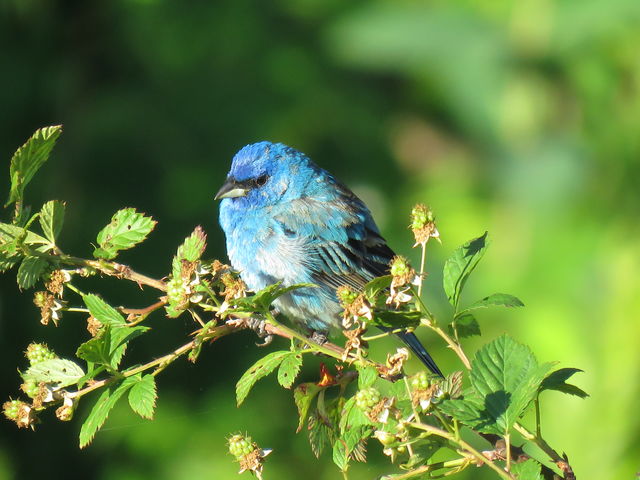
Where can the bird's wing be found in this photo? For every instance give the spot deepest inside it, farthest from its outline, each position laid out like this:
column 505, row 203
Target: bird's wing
column 342, row 241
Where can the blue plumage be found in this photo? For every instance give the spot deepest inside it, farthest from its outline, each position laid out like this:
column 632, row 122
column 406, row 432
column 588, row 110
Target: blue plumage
column 288, row 220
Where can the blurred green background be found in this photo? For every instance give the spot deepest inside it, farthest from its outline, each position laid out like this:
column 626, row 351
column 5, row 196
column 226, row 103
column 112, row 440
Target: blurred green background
column 517, row 117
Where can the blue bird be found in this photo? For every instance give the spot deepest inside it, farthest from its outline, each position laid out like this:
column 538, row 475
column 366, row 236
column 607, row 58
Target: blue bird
column 287, row 220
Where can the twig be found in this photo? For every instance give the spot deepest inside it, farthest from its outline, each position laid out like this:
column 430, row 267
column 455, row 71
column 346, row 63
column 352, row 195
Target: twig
column 465, row 446
column 115, row 270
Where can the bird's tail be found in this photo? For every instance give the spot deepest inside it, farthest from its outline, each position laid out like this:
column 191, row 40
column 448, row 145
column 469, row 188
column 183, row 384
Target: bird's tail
column 414, row 344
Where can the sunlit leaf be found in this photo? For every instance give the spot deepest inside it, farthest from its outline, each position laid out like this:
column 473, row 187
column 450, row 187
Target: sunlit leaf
column 465, row 325
column 101, row 409
column 507, row 376
column 56, row 371
column 527, row 470
column 460, row 265
column 557, row 381
column 289, row 369
column 261, row 368
column 102, row 311
column 495, row 300
column 29, row 158
column 143, row 395
column 51, row 219
column 127, row 229
column 30, row 271
column 367, row 375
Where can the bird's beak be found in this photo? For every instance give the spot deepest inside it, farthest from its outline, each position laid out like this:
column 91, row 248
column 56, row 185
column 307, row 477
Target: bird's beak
column 231, row 189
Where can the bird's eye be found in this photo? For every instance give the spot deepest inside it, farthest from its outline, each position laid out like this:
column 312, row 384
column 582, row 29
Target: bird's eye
column 261, row 180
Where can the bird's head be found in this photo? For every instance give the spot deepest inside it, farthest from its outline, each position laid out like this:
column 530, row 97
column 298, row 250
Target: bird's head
column 266, row 173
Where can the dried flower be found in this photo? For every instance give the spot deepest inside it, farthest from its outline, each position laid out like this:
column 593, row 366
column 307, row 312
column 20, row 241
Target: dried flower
column 49, row 307
column 356, row 307
column 56, row 281
column 396, row 361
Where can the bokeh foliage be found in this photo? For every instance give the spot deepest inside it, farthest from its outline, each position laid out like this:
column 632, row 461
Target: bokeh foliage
column 519, row 117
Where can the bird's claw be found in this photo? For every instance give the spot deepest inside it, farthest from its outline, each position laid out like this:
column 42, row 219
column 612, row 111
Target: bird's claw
column 259, row 326
column 318, row 337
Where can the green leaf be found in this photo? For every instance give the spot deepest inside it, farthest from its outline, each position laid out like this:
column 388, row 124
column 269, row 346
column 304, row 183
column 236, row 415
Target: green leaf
column 94, row 351
column 557, row 381
column 29, row 158
column 320, row 434
column 374, row 287
column 366, row 376
column 265, row 297
column 30, row 271
column 471, row 412
column 303, row 396
column 193, row 246
column 101, row 409
column 142, row 396
column 289, row 369
column 127, row 229
column 51, row 219
column 396, row 319
column 466, row 325
column 102, row 311
column 497, row 300
column 109, row 347
column 340, row 454
column 352, row 416
column 119, row 337
column 507, row 376
column 8, row 260
column 528, row 470
column 57, row 371
column 261, row 368
column 14, row 234
column 460, row 265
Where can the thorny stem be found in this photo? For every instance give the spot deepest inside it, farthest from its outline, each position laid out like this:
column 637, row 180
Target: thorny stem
column 429, row 322
column 507, row 443
column 114, row 269
column 464, row 446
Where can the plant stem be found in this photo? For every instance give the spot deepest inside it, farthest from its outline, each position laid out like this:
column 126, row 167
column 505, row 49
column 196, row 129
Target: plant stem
column 114, row 269
column 507, row 443
column 423, row 257
column 540, row 442
column 277, row 328
column 465, row 446
column 430, row 322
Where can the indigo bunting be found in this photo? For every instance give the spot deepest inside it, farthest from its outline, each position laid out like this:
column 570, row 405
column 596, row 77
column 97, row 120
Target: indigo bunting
column 287, row 220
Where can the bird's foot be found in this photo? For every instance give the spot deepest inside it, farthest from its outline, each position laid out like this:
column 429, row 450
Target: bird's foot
column 259, row 326
column 318, row 337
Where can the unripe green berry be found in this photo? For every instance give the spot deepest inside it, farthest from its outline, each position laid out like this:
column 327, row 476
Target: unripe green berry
column 400, row 267
column 240, row 446
column 30, row 388
column 420, row 381
column 12, row 408
column 39, row 352
column 346, row 296
column 367, row 398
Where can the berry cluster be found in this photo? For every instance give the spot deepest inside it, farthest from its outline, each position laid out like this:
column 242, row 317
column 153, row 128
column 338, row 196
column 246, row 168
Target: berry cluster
column 39, row 352
column 240, row 446
column 367, row 398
